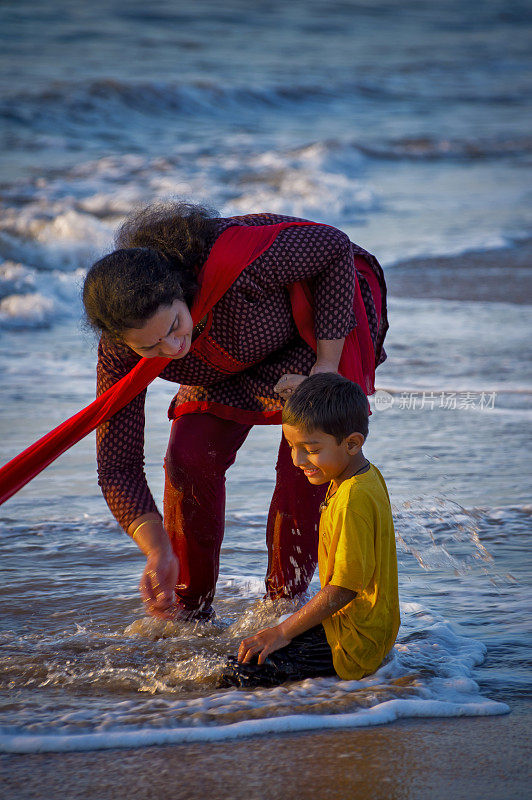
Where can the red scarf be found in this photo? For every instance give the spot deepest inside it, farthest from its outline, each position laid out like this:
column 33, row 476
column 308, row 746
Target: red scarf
column 235, row 248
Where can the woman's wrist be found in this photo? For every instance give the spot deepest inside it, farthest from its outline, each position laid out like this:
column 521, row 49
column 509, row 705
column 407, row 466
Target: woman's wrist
column 149, row 535
column 328, row 354
column 324, row 366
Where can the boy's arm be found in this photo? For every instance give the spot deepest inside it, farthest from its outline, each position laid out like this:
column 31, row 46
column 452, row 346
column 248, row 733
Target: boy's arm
column 324, row 604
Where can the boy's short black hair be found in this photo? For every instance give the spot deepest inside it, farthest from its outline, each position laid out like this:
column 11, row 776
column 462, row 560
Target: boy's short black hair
column 330, row 403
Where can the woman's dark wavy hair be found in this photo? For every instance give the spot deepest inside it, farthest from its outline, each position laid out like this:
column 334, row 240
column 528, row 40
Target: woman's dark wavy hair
column 158, row 249
column 329, row 403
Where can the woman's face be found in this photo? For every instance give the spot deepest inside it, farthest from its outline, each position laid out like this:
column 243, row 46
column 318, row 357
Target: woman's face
column 168, row 333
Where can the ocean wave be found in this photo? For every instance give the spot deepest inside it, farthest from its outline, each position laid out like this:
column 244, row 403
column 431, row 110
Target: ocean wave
column 46, row 246
column 429, row 148
column 421, row 83
column 387, row 712
column 65, row 220
column 27, row 311
column 71, row 670
column 428, row 674
column 47, row 233
column 73, row 103
column 83, row 101
column 30, row 298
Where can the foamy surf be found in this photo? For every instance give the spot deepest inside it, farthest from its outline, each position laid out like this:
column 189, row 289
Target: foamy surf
column 428, row 674
column 65, row 220
column 385, row 713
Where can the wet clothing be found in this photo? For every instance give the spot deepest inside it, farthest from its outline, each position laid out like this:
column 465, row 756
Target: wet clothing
column 201, row 448
column 247, row 343
column 252, row 322
column 357, row 551
column 307, row 656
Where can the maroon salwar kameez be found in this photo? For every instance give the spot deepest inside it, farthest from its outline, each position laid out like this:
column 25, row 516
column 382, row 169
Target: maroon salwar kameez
column 248, row 342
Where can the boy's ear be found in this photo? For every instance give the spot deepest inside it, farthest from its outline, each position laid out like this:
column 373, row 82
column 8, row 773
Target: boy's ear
column 354, row 443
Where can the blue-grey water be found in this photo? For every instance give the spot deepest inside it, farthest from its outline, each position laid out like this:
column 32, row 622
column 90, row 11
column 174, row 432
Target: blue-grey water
column 408, row 126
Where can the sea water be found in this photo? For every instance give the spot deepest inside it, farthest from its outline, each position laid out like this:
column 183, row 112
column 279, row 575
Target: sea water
column 403, row 124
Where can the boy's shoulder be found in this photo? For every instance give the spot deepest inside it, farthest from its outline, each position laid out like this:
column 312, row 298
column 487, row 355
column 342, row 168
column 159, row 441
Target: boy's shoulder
column 361, row 491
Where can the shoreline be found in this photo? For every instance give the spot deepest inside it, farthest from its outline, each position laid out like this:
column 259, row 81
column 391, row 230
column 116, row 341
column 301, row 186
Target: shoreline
column 486, row 758
column 503, row 275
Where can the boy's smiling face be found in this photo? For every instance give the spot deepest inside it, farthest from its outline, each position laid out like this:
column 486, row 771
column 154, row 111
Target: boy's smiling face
column 320, row 456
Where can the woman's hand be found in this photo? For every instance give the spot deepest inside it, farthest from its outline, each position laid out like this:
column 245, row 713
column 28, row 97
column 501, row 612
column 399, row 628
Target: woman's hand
column 160, row 575
column 329, row 352
column 158, row 582
column 287, row 384
column 262, row 644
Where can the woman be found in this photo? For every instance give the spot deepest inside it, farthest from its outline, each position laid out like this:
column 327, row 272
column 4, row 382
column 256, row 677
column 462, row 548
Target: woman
column 234, row 368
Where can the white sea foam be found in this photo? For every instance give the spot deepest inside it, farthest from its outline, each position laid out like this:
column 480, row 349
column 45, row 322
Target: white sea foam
column 387, row 712
column 245, row 586
column 428, row 674
column 48, row 245
column 32, row 298
column 29, row 310
column 51, row 233
column 63, row 222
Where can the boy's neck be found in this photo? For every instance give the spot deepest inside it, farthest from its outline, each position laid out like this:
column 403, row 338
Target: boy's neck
column 358, row 464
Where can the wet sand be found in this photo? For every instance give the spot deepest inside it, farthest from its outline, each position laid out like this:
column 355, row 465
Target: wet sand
column 465, row 759
column 503, row 275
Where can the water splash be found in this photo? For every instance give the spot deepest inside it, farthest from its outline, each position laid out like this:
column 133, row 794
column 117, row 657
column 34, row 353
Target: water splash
column 443, row 535
column 429, row 673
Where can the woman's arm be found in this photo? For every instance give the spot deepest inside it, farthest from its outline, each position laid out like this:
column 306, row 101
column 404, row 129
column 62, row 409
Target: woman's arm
column 120, row 443
column 322, row 255
column 120, row 455
column 324, row 604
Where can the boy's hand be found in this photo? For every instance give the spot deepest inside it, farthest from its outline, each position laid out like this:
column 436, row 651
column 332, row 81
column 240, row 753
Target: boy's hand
column 262, row 644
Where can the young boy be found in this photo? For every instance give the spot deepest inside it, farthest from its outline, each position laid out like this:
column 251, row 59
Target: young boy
column 351, row 624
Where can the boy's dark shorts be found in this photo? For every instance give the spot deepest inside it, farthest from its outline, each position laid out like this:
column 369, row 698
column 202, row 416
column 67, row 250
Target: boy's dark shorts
column 307, row 656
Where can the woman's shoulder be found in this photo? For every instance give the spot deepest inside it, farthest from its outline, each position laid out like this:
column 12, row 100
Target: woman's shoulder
column 311, row 236
column 259, row 218
column 115, row 358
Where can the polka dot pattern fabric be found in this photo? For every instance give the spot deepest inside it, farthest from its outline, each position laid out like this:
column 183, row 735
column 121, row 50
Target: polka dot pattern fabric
column 253, row 323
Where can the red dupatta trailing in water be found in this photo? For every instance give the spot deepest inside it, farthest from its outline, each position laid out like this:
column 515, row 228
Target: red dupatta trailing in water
column 235, row 248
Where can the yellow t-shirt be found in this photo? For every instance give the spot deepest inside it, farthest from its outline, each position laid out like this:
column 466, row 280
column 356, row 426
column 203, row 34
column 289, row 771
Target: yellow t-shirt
column 357, row 551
